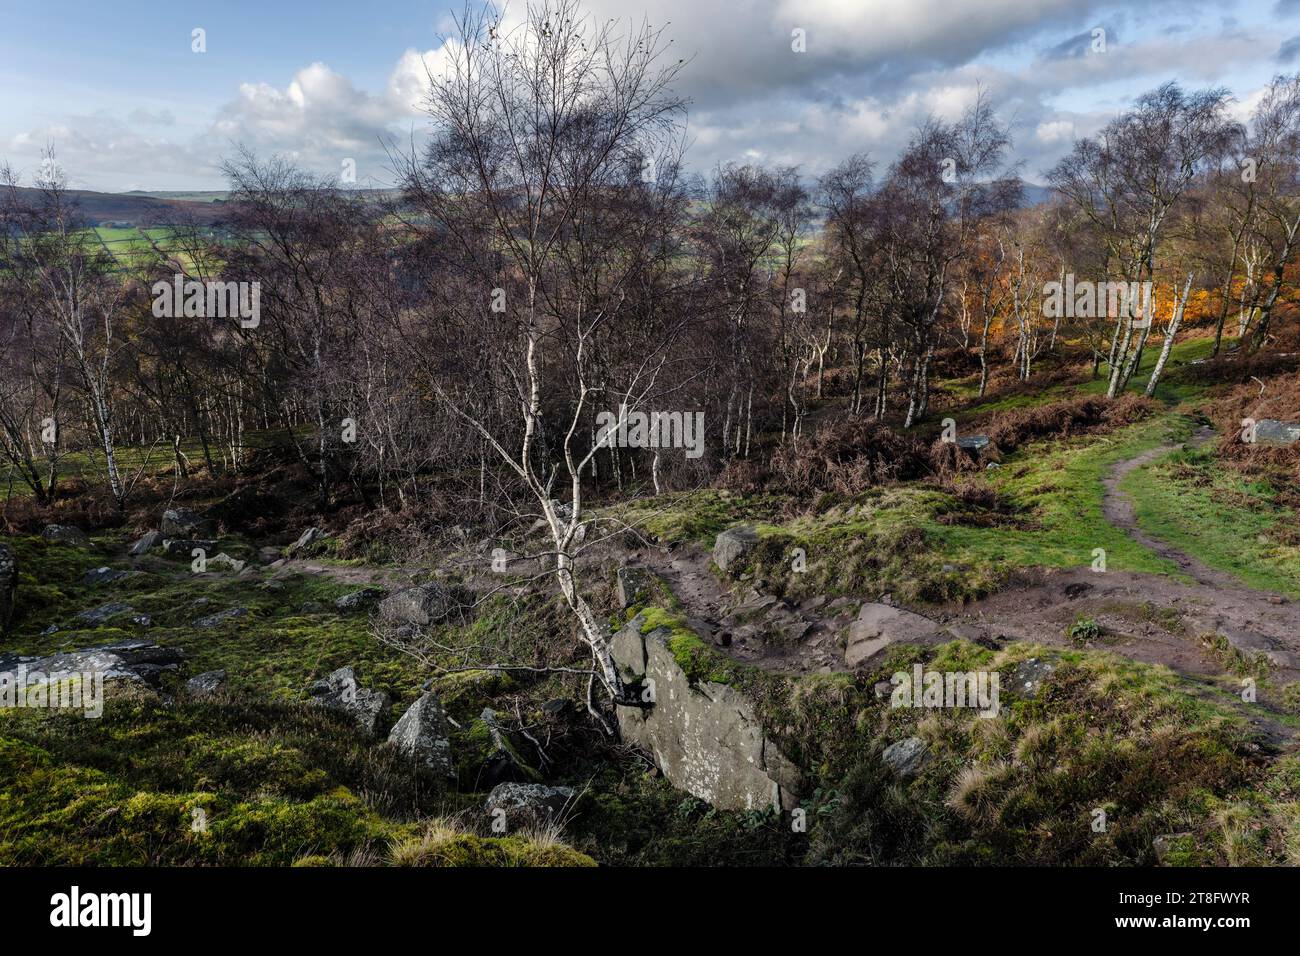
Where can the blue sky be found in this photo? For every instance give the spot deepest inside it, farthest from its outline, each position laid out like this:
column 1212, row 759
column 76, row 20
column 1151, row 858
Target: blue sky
column 117, row 89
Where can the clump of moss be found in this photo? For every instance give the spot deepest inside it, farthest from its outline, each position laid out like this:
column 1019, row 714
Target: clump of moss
column 442, row 844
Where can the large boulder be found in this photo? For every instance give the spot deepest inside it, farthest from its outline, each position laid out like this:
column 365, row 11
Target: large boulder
column 184, row 523
column 99, row 576
column 421, row 605
column 733, row 545
column 184, row 547
column 66, row 534
column 148, row 541
column 341, row 691
column 1028, row 676
column 635, row 586
column 356, row 600
column 424, row 732
column 563, row 514
column 136, row 661
column 1270, row 431
column 206, row 684
column 105, row 612
column 305, row 541
column 8, row 584
column 906, row 758
column 706, row 738
column 528, row 805
column 494, row 755
column 224, row 562
column 221, row 617
column 880, row 625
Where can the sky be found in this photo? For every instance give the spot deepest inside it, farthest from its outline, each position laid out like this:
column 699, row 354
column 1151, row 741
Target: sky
column 119, row 91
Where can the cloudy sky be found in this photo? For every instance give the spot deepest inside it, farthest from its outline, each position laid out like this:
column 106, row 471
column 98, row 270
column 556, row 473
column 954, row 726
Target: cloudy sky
column 127, row 104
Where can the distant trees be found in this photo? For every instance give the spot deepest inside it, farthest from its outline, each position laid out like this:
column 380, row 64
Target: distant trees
column 1127, row 180
column 546, row 260
column 64, row 296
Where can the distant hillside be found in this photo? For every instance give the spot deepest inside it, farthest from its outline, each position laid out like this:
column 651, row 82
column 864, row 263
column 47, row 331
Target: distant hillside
column 186, row 195
column 1035, row 194
column 139, row 209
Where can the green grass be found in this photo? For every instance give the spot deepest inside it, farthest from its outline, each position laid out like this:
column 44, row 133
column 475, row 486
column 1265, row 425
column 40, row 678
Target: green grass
column 278, row 649
column 896, row 538
column 1172, row 388
column 1058, row 484
column 1228, row 521
column 156, row 461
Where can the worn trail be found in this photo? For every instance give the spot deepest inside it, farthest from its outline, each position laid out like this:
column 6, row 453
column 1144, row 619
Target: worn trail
column 1190, row 625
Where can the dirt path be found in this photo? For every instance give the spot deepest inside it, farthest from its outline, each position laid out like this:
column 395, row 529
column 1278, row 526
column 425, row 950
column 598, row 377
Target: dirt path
column 1198, row 628
column 1117, row 506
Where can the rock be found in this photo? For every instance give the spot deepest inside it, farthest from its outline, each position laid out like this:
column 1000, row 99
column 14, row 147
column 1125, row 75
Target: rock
column 137, row 661
column 878, row 626
column 340, row 691
column 635, row 586
column 1164, row 843
column 973, row 442
column 268, row 555
column 1270, row 431
column 563, row 513
column 184, row 547
column 99, row 615
column 706, row 738
column 311, row 607
column 1028, row 676
column 149, row 541
column 184, row 523
column 1253, row 646
column 100, row 576
column 8, row 584
column 421, row 605
column 356, row 600
column 734, row 544
column 556, row 707
column 501, row 759
column 423, row 732
column 206, row 684
column 906, row 757
column 221, row 617
column 973, row 633
column 528, row 805
column 224, row 562
column 305, row 540
column 66, row 534
column 627, row 647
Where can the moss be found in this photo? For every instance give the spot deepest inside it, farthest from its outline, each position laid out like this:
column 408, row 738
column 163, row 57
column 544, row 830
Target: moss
column 465, row 690
column 58, row 814
column 699, row 661
column 448, row 848
column 479, row 752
